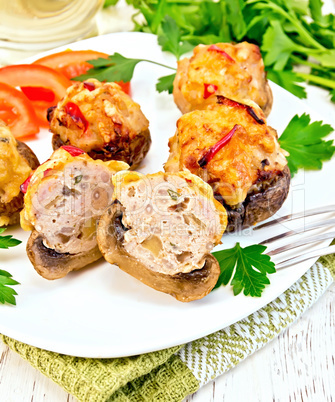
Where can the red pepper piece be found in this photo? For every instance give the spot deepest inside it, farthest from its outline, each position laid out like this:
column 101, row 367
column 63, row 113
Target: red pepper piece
column 209, row 89
column 89, row 85
column 73, row 110
column 25, row 184
column 74, row 151
column 222, row 100
column 47, row 172
column 209, row 155
column 39, row 94
column 219, row 50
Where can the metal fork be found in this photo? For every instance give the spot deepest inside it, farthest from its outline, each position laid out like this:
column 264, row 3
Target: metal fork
column 301, row 255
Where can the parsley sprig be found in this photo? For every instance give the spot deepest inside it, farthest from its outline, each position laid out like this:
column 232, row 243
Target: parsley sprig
column 246, row 269
column 170, row 38
column 8, row 241
column 7, row 294
column 118, row 68
column 304, row 142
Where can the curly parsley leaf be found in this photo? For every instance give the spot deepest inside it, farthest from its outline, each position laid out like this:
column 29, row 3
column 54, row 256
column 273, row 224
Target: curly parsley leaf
column 245, row 268
column 165, row 83
column 7, row 294
column 170, row 38
column 303, row 140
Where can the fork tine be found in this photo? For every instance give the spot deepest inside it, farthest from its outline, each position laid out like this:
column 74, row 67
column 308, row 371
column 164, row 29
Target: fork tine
column 306, row 256
column 301, row 229
column 302, row 242
column 298, row 215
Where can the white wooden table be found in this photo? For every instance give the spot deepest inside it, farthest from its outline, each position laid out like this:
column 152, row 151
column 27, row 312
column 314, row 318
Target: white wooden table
column 299, row 365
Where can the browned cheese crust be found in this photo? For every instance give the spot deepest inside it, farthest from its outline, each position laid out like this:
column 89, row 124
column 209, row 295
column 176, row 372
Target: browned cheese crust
column 111, row 125
column 12, row 209
column 249, row 175
column 234, row 71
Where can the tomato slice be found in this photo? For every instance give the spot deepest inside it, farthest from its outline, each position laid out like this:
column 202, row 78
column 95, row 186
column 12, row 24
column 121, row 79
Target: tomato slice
column 31, row 75
column 125, row 87
column 72, row 63
column 39, row 83
column 6, row 113
column 39, row 94
column 41, row 108
column 41, row 99
column 18, row 112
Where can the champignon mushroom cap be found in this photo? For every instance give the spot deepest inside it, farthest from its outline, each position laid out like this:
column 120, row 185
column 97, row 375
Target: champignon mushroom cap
column 53, row 265
column 27, row 154
column 184, row 287
column 131, row 152
column 260, row 205
column 268, row 105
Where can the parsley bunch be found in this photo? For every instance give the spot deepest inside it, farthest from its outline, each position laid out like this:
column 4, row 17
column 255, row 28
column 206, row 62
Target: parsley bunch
column 289, row 33
column 7, row 294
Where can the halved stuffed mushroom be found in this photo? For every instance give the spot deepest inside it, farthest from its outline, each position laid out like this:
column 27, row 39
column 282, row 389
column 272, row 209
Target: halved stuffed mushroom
column 17, row 161
column 64, row 198
column 102, row 120
column 230, row 146
column 234, row 71
column 161, row 228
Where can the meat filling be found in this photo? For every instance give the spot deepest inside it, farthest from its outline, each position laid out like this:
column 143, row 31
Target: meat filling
column 170, row 226
column 69, row 202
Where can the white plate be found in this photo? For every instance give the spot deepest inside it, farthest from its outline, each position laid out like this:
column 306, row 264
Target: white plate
column 101, row 311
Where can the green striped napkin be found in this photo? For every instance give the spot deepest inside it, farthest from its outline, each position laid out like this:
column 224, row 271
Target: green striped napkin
column 172, row 374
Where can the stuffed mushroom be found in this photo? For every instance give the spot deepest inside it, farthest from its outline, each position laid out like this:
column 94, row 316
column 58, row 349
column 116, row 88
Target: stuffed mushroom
column 17, row 161
column 234, row 71
column 161, row 228
column 64, row 198
column 230, row 146
column 102, row 120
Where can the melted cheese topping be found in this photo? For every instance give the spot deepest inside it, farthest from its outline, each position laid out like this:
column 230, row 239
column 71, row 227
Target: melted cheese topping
column 241, row 78
column 235, row 168
column 14, row 169
column 109, row 111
